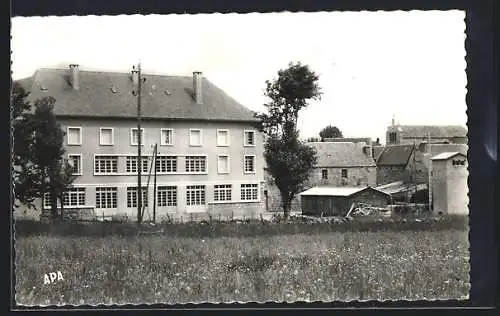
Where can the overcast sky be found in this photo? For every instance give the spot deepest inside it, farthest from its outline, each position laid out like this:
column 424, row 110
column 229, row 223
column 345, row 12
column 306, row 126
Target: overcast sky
column 372, row 65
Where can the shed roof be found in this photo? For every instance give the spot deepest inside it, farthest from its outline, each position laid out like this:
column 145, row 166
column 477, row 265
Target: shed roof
column 395, row 155
column 336, row 191
column 109, row 94
column 447, row 155
column 337, row 154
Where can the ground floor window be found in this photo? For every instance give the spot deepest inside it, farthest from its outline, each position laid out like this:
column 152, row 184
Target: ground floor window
column 222, row 192
column 106, row 197
column 132, row 197
column 195, row 195
column 249, row 192
column 74, row 197
column 167, row 196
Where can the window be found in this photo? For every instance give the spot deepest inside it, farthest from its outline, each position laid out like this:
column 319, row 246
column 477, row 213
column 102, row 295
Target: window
column 46, row 201
column 392, row 137
column 344, row 173
column 166, row 137
column 249, row 192
column 249, row 138
column 222, row 137
column 167, row 196
column 166, row 163
column 106, row 197
column 105, row 164
column 106, row 136
column 132, row 197
column 195, row 137
column 195, row 195
column 458, row 162
column 74, row 197
column 76, row 163
column 249, row 164
column 324, row 174
column 74, row 135
column 223, row 164
column 131, row 164
column 134, row 136
column 196, row 164
column 222, row 192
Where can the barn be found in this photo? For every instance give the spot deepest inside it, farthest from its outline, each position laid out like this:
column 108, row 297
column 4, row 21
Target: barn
column 337, row 201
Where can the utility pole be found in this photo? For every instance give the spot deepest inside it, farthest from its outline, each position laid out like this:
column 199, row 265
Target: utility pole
column 429, row 166
column 137, row 72
column 155, row 153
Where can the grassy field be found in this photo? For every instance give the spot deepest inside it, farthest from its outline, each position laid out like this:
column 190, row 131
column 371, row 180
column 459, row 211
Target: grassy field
column 321, row 267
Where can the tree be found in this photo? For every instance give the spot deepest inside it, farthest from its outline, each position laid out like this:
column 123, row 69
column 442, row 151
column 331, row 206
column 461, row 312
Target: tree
column 55, row 172
column 25, row 172
column 330, row 132
column 288, row 159
column 38, row 152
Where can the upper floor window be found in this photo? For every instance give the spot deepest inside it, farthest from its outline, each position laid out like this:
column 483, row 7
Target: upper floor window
column 131, row 164
column 392, row 137
column 324, row 174
column 166, row 163
column 249, row 164
column 222, row 137
column 74, row 135
column 105, row 164
column 166, row 137
column 196, row 164
column 134, row 136
column 106, row 136
column 249, row 138
column 76, row 163
column 195, row 137
column 223, row 164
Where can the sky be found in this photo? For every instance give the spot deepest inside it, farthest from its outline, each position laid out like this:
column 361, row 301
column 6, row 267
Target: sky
column 372, row 66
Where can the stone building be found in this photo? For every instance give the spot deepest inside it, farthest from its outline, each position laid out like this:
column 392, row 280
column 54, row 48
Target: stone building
column 415, row 134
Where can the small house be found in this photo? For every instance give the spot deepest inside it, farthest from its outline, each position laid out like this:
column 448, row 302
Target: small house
column 337, row 201
column 449, row 183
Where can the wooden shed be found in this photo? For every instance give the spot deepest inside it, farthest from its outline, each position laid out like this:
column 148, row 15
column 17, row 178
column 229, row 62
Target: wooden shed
column 336, row 201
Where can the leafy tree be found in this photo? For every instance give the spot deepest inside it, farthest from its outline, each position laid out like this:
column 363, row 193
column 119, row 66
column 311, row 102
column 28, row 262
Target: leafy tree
column 330, row 132
column 26, row 175
column 55, row 172
column 288, row 159
column 38, row 152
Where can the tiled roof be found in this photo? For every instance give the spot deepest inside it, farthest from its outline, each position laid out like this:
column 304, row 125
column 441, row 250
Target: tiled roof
column 109, row 94
column 395, row 155
column 446, row 155
column 436, row 131
column 347, row 154
column 336, row 191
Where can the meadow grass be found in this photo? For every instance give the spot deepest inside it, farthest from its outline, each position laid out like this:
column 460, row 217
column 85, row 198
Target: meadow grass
column 298, row 267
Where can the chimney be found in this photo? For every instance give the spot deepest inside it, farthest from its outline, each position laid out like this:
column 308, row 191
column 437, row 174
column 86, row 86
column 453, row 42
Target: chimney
column 75, row 76
column 197, row 87
column 367, row 150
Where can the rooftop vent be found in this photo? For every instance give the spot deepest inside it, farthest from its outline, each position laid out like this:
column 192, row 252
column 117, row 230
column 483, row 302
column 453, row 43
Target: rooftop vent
column 167, row 92
column 113, row 89
column 43, row 88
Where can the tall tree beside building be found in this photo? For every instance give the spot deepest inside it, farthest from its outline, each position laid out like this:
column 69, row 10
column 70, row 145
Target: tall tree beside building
column 330, row 132
column 289, row 160
column 39, row 166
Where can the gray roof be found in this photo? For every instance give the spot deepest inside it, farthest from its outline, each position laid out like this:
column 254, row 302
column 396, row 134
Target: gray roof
column 395, row 155
column 336, row 191
column 109, row 94
column 333, row 154
column 436, row 131
column 447, row 155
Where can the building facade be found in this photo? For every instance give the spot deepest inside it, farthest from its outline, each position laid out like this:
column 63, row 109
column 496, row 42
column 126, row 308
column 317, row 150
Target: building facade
column 449, row 183
column 209, row 158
